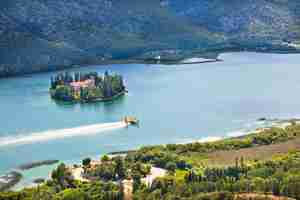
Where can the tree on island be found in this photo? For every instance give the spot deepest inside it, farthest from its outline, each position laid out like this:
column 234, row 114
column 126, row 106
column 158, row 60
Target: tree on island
column 86, row 86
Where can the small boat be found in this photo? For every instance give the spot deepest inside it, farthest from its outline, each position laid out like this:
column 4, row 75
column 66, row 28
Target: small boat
column 131, row 120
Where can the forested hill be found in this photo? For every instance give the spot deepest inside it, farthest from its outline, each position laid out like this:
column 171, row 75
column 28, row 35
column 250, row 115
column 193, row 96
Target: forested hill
column 41, row 35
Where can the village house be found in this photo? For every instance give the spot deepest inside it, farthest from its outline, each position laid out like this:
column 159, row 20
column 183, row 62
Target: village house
column 82, row 84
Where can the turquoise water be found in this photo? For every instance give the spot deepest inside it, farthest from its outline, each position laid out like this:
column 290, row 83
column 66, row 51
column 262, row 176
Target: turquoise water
column 30, row 175
column 175, row 103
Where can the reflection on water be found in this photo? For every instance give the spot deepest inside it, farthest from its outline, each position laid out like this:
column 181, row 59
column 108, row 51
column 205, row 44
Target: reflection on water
column 115, row 105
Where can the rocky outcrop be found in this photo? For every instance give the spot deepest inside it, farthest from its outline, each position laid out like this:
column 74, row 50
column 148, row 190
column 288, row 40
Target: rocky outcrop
column 37, row 164
column 9, row 180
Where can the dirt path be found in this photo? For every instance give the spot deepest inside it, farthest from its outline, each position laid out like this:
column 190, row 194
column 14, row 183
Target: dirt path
column 250, row 196
column 154, row 173
column 127, row 189
column 77, row 174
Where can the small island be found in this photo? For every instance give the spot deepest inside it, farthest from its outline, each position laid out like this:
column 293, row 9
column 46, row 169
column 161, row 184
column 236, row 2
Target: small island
column 86, row 87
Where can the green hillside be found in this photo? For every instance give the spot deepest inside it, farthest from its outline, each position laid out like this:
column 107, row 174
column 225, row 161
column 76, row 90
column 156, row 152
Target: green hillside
column 45, row 35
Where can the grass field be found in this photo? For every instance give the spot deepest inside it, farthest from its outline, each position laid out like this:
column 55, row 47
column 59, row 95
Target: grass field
column 225, row 158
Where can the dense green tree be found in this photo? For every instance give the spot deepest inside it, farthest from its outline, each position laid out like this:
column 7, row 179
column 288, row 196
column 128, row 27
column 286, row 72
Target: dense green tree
column 105, row 158
column 104, row 172
column 63, row 92
column 72, row 194
column 106, row 87
column 120, row 169
column 171, row 167
column 86, row 162
column 62, row 176
column 291, row 186
column 136, row 177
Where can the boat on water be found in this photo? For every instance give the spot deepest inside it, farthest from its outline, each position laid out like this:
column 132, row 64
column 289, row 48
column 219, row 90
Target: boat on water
column 131, row 120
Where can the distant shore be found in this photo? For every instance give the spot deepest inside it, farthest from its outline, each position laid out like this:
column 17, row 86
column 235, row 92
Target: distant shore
column 140, row 60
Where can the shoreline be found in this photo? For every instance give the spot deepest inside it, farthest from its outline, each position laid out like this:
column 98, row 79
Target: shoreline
column 274, row 123
column 106, row 99
column 268, row 123
column 202, row 62
column 13, row 177
column 9, row 180
column 153, row 60
column 100, row 99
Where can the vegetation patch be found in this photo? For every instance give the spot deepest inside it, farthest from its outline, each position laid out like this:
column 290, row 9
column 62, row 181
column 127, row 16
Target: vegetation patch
column 87, row 87
column 197, row 154
column 190, row 174
column 278, row 177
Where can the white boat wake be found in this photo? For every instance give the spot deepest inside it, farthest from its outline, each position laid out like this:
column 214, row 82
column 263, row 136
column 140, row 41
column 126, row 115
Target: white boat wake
column 61, row 133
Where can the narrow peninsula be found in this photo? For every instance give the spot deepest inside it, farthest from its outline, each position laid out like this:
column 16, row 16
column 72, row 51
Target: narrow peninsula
column 86, row 87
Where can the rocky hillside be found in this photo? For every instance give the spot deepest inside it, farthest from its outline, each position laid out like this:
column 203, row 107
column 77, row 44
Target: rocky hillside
column 41, row 35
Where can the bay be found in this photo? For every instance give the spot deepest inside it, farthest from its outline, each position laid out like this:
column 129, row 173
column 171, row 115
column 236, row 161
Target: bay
column 174, row 103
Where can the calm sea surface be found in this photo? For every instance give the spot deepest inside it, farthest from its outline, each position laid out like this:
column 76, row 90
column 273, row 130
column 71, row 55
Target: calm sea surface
column 175, row 103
